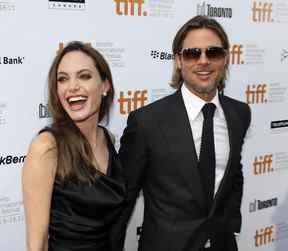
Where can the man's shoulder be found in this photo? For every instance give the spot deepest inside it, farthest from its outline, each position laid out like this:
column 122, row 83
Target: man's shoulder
column 155, row 111
column 238, row 107
column 233, row 102
column 159, row 105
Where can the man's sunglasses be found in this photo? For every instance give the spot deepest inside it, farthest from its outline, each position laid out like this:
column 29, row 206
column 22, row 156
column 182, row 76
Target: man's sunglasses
column 213, row 53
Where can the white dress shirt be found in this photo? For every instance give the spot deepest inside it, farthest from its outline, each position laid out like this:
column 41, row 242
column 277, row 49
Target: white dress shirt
column 193, row 105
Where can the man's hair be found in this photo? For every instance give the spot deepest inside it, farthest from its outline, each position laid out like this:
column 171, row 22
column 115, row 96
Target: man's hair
column 197, row 22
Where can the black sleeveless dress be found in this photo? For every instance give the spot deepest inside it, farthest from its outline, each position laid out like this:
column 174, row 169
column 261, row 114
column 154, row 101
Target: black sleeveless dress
column 82, row 215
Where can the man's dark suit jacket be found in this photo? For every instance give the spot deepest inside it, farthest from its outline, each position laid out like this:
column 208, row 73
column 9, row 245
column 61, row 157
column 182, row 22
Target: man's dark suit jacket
column 158, row 155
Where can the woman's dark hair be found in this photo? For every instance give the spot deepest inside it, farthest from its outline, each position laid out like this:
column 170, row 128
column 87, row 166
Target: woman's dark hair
column 75, row 160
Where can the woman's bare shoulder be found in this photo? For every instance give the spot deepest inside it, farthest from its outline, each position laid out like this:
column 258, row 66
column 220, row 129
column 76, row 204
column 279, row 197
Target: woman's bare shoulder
column 42, row 143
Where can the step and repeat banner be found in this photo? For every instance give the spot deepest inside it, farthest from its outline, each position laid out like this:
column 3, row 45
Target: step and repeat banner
column 135, row 36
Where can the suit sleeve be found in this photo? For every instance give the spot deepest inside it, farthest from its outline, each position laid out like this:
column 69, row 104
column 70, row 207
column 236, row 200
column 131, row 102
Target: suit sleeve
column 235, row 197
column 133, row 157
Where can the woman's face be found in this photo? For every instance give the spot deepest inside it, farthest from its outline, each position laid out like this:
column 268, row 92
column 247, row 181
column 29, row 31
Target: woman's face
column 79, row 86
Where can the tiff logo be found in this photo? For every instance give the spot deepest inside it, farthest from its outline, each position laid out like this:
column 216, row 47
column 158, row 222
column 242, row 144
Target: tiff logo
column 236, row 52
column 256, row 94
column 263, row 164
column 262, row 12
column 132, row 101
column 264, row 236
column 128, row 7
column 43, row 111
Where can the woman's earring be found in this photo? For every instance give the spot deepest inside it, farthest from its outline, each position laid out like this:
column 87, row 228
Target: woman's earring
column 104, row 94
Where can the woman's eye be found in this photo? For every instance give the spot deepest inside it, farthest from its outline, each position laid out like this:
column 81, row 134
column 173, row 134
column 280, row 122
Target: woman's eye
column 61, row 79
column 85, row 76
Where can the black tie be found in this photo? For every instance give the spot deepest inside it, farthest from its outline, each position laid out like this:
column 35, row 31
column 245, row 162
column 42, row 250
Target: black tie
column 207, row 153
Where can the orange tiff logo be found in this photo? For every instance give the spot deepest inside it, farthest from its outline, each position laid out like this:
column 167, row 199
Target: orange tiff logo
column 236, row 52
column 132, row 101
column 263, row 164
column 256, row 94
column 129, row 7
column 262, row 12
column 264, row 236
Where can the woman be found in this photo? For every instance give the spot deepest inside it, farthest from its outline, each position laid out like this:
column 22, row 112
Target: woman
column 72, row 183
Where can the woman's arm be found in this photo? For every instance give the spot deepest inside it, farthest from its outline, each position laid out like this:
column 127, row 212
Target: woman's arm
column 37, row 180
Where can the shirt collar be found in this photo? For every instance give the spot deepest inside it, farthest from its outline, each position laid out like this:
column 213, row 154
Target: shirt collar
column 194, row 104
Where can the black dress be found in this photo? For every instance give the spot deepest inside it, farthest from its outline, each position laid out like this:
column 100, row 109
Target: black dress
column 82, row 215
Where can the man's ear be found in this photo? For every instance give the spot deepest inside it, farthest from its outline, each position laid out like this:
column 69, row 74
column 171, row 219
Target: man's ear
column 227, row 59
column 178, row 62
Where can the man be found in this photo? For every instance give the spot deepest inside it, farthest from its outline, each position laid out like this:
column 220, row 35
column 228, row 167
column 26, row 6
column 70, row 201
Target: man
column 192, row 190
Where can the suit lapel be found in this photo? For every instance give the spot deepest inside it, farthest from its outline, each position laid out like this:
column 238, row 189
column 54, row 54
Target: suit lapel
column 176, row 129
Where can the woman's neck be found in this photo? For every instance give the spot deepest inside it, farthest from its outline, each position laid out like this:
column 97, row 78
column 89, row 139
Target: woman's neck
column 90, row 130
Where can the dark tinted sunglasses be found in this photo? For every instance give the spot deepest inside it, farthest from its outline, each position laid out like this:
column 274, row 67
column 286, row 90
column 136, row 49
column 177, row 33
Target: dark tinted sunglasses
column 212, row 53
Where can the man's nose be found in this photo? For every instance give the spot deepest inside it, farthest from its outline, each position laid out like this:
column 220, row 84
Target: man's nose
column 203, row 58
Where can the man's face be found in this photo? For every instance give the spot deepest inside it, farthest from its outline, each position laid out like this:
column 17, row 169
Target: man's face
column 201, row 75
